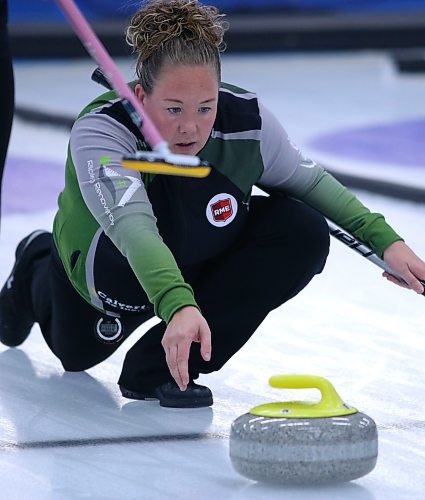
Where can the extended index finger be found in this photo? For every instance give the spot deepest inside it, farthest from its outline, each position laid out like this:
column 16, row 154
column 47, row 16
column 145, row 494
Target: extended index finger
column 183, row 350
column 171, row 358
column 205, row 339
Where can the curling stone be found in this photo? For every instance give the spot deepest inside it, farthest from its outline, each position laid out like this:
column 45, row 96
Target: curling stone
column 304, row 443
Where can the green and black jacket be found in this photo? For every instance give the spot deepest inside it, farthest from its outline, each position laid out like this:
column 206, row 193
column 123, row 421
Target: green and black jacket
column 162, row 223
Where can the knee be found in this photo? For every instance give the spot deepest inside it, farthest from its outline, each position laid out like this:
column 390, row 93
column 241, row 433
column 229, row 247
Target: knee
column 315, row 237
column 72, row 366
column 310, row 235
column 293, row 224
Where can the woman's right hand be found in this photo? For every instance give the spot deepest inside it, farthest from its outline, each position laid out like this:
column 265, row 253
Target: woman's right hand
column 186, row 326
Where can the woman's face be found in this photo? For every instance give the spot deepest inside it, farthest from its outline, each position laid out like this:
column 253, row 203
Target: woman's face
column 183, row 106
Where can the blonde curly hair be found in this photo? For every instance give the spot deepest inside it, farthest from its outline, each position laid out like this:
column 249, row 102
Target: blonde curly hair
column 179, row 32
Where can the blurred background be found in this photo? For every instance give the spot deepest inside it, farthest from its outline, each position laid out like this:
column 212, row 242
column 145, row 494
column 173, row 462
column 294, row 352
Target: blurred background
column 370, row 52
column 36, row 27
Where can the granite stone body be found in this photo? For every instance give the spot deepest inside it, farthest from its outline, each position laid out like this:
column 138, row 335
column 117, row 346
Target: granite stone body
column 304, row 450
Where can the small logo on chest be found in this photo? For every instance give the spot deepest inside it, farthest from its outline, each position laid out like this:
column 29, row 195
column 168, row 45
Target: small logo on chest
column 222, row 209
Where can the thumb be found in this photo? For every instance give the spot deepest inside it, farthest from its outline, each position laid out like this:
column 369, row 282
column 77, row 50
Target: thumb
column 418, row 272
column 419, row 286
column 205, row 339
column 414, row 281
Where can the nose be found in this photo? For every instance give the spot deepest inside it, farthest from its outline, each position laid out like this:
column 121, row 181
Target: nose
column 187, row 125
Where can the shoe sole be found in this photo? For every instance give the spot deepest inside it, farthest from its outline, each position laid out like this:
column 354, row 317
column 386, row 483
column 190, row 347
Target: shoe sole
column 168, row 403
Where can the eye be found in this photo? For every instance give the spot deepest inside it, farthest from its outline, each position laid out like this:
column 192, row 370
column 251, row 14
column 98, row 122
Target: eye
column 174, row 110
column 204, row 109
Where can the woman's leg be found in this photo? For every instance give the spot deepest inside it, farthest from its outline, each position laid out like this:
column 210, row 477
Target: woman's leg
column 38, row 290
column 77, row 333
column 283, row 246
column 16, row 311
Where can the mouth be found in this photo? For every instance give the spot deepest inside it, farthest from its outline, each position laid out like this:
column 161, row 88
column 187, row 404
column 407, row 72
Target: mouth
column 185, row 146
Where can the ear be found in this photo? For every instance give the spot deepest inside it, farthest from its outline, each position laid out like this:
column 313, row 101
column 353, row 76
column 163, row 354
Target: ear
column 140, row 94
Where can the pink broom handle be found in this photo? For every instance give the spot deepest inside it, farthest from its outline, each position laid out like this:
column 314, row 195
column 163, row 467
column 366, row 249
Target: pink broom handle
column 96, row 49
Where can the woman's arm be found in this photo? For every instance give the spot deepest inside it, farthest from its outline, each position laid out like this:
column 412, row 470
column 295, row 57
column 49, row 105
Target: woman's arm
column 117, row 199
column 287, row 171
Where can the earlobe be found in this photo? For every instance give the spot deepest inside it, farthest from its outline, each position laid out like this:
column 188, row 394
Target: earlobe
column 138, row 91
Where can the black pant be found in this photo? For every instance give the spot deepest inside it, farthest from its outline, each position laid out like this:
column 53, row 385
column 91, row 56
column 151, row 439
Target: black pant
column 284, row 244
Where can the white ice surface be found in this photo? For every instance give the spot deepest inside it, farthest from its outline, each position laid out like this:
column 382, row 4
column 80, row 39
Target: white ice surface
column 71, row 436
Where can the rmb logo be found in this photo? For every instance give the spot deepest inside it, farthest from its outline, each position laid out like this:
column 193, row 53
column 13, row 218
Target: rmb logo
column 222, row 209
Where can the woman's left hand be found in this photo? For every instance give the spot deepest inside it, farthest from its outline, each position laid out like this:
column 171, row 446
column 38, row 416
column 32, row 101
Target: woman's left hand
column 407, row 264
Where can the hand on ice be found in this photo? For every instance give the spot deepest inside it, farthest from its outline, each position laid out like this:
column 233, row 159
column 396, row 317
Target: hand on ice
column 186, row 326
column 407, row 264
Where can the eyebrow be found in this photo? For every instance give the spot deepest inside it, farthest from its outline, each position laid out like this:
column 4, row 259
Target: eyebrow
column 181, row 102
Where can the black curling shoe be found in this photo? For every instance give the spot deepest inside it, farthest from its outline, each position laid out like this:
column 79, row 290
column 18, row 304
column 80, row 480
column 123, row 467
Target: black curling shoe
column 16, row 318
column 170, row 396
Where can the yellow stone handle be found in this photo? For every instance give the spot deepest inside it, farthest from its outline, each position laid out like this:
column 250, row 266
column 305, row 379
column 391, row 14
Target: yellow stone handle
column 331, row 405
column 330, row 399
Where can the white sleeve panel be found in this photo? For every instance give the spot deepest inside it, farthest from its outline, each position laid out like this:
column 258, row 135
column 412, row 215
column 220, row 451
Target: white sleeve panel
column 280, row 156
column 285, row 168
column 110, row 191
